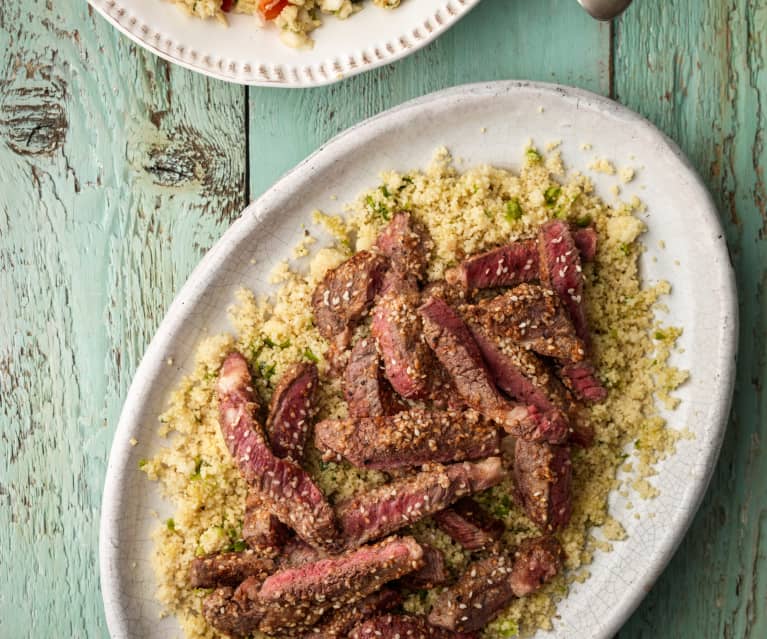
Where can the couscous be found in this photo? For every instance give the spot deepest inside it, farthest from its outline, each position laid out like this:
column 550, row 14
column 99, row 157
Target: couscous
column 464, row 212
column 295, row 19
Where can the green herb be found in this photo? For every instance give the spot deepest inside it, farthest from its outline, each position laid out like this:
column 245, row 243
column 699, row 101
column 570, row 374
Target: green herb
column 513, row 210
column 308, row 354
column 197, row 467
column 625, row 248
column 488, row 214
column 284, row 344
column 503, row 507
column 660, row 335
column 476, row 188
column 583, row 221
column 405, row 181
column 551, row 195
column 533, row 155
column 268, row 342
column 267, row 371
column 623, row 456
column 560, row 214
column 142, row 463
column 384, row 190
column 379, row 208
column 638, row 444
column 239, row 546
column 170, row 525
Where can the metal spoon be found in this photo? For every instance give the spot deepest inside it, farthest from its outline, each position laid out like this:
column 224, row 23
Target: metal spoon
column 605, row 9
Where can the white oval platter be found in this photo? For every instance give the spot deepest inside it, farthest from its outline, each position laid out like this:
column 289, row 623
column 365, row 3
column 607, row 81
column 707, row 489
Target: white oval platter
column 246, row 53
column 680, row 212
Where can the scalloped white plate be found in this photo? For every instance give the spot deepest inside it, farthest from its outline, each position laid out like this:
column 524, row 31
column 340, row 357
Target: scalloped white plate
column 703, row 301
column 246, row 53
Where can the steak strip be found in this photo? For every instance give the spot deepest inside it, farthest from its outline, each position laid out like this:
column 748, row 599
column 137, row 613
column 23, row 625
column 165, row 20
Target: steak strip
column 286, row 488
column 469, row 525
column 543, row 478
column 345, row 579
column 410, row 438
column 291, row 411
column 345, row 295
column 385, row 509
column 337, row 624
column 366, row 392
column 488, row 586
column 227, row 569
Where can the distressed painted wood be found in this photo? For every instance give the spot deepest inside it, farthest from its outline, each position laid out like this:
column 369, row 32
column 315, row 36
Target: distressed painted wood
column 109, row 198
column 117, row 172
column 698, row 69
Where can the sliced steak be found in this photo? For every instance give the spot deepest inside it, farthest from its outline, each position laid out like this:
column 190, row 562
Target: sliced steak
column 454, row 346
column 285, row 487
column 407, row 245
column 581, row 379
column 489, row 585
column 587, row 242
column 337, row 624
column 481, row 593
column 409, row 438
column 505, row 266
column 433, row 573
column 543, row 477
column 297, row 552
column 346, row 579
column 366, row 391
column 385, row 509
column 560, row 266
column 398, row 332
column 456, row 349
column 230, row 616
column 451, row 294
column 291, row 411
column 228, row 569
column 403, row 627
column 527, row 379
column 345, row 295
column 262, row 531
column 536, row 562
column 533, row 317
column 468, row 524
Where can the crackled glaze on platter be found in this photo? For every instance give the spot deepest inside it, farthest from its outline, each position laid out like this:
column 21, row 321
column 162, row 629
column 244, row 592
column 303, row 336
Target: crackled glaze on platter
column 245, row 53
column 680, row 213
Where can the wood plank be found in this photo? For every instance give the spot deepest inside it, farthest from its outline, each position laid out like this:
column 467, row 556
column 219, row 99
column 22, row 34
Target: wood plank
column 117, row 173
column 697, row 68
column 545, row 40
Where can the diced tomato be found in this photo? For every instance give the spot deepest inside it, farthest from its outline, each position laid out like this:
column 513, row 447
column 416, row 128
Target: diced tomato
column 226, row 5
column 270, row 9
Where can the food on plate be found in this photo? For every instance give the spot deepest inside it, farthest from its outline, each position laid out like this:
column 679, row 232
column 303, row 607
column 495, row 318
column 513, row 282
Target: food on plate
column 417, row 434
column 296, row 19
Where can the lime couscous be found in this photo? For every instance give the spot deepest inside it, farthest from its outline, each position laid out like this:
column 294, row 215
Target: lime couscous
column 465, row 212
column 296, row 19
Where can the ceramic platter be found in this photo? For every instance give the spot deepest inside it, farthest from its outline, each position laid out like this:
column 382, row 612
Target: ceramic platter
column 246, row 53
column 680, row 212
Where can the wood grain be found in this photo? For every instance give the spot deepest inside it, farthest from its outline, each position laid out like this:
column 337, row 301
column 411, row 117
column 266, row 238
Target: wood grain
column 697, row 68
column 109, row 198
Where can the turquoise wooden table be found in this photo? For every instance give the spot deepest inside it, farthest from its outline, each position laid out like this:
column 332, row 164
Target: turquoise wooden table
column 119, row 171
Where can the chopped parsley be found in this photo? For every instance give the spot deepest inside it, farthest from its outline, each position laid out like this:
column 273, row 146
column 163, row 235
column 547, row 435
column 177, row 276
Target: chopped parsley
column 513, row 210
column 142, row 463
column 625, row 248
column 198, row 462
column 384, row 190
column 551, row 195
column 583, row 221
column 533, row 155
column 267, row 370
column 308, row 354
column 170, row 525
column 660, row 335
column 379, row 208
